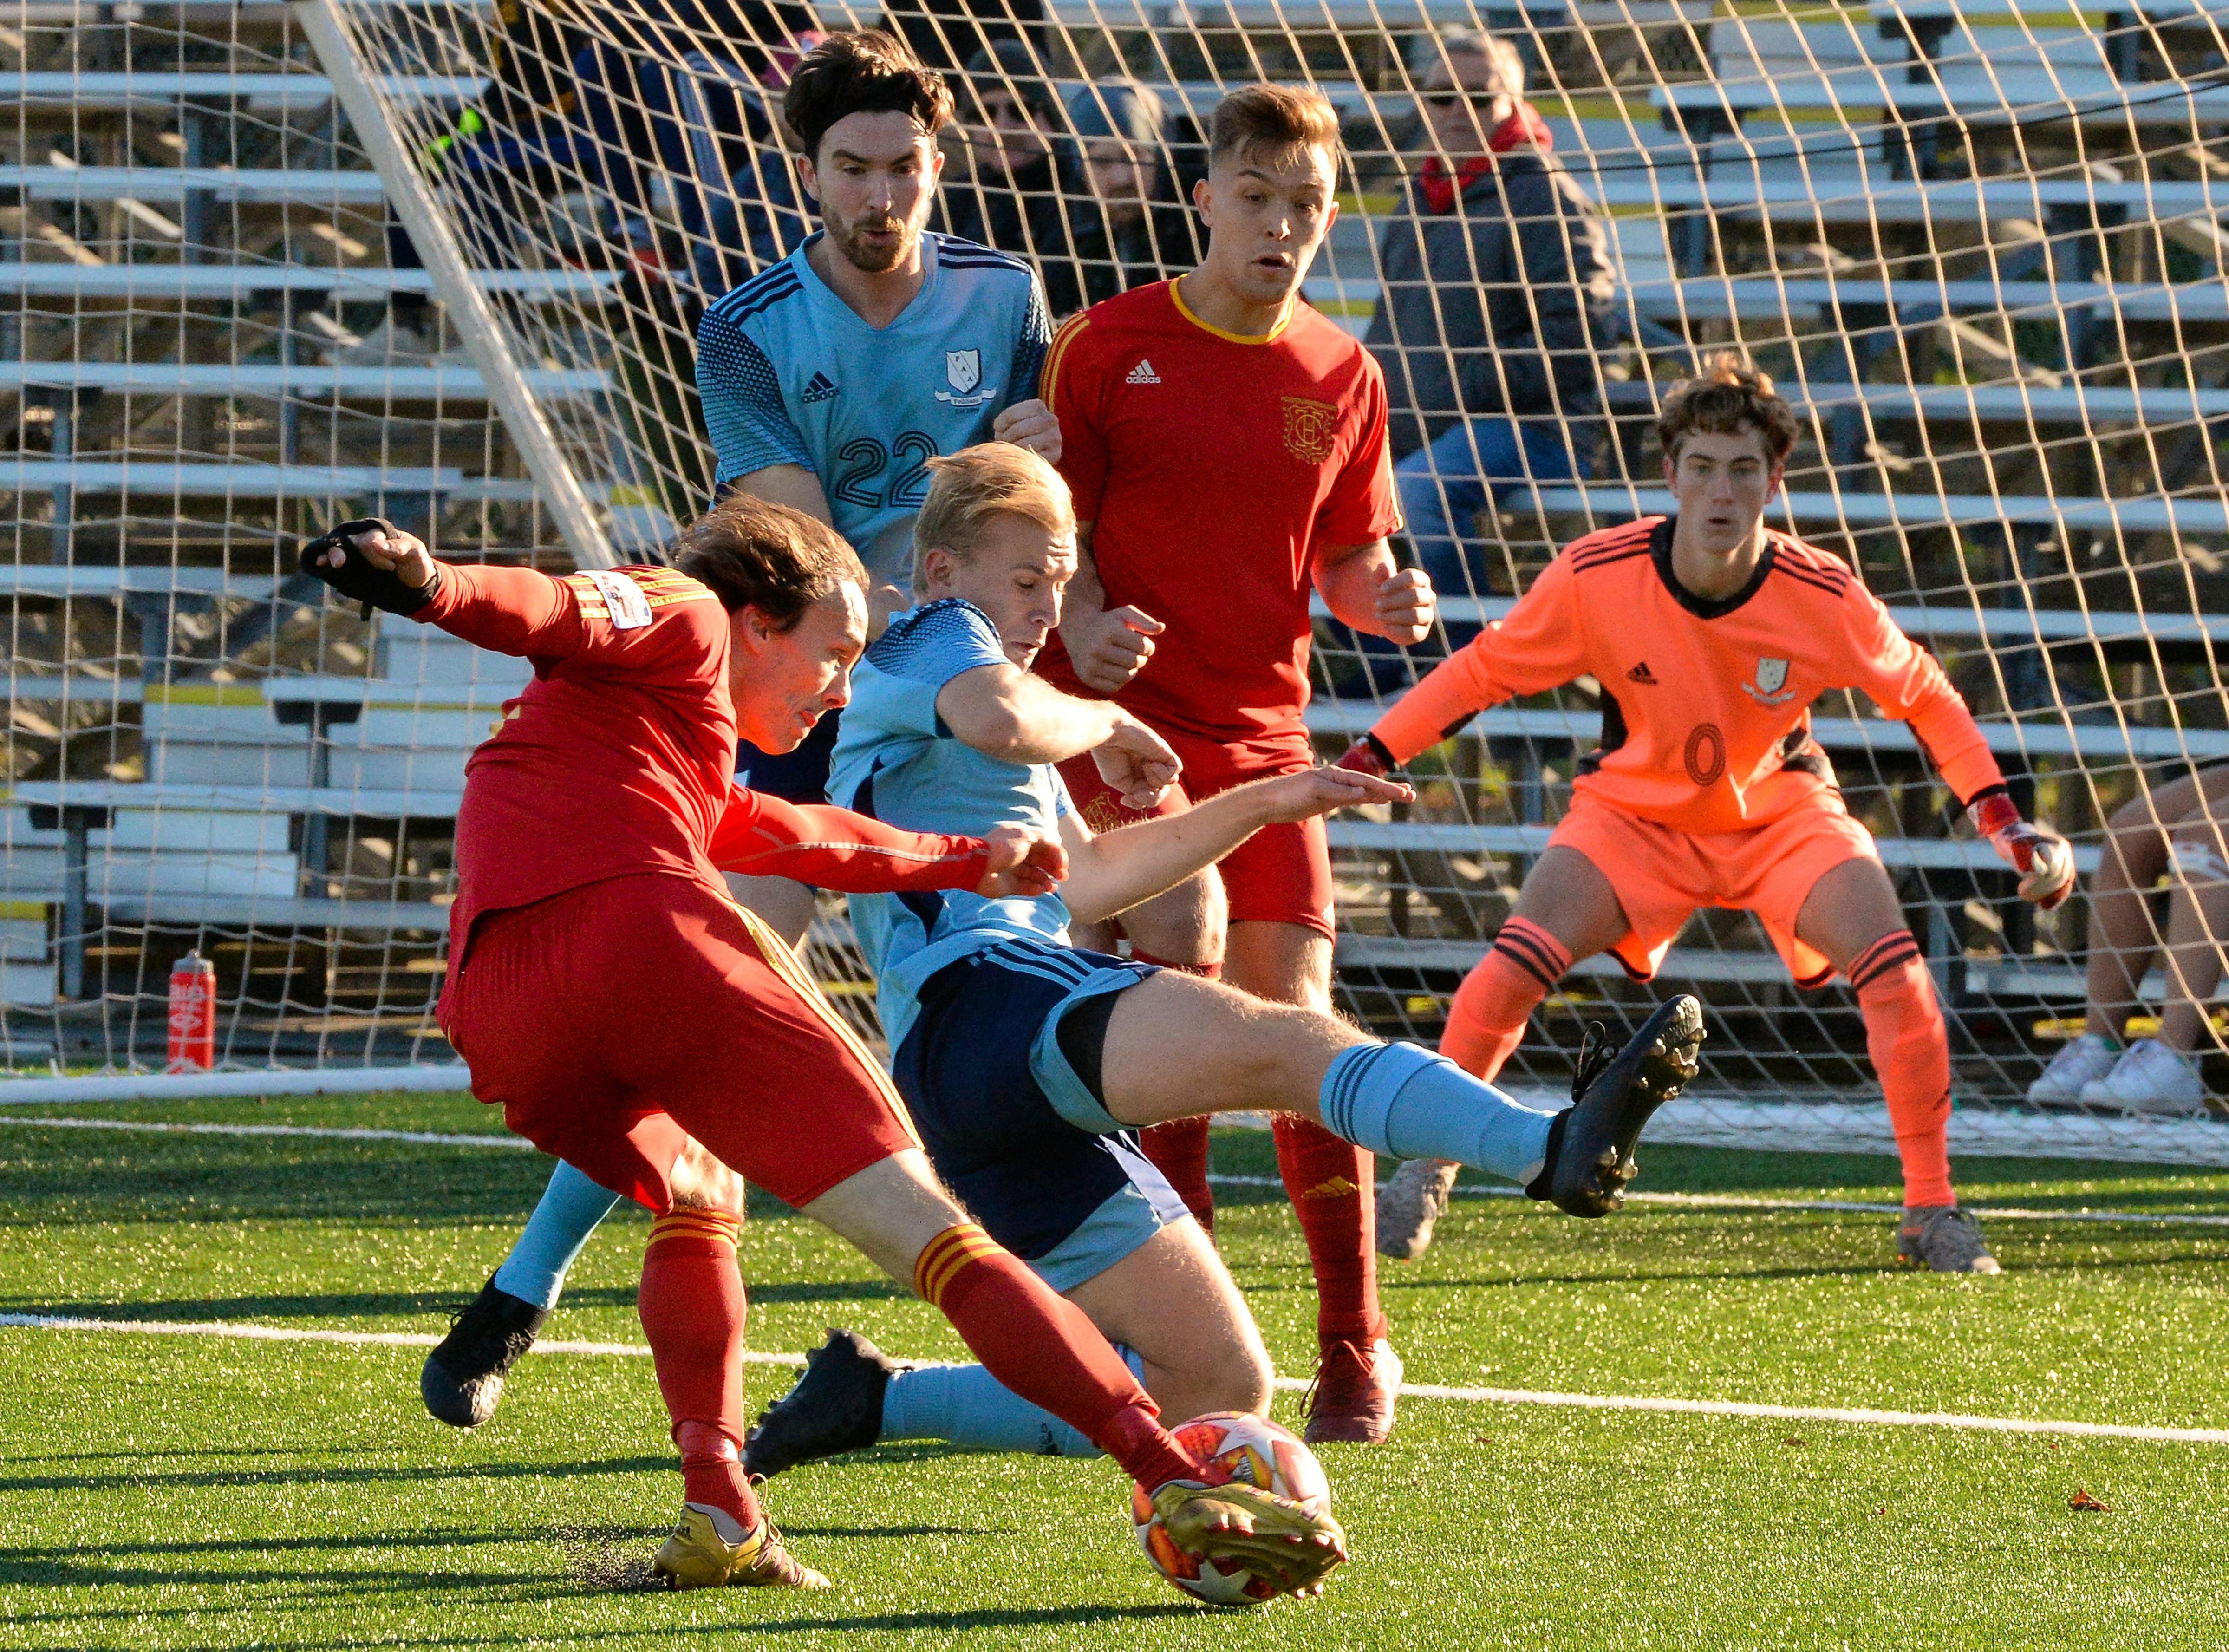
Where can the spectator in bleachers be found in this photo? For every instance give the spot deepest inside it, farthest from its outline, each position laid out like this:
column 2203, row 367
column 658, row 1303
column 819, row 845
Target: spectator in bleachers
column 2173, row 832
column 1002, row 189
column 1496, row 306
column 1125, row 225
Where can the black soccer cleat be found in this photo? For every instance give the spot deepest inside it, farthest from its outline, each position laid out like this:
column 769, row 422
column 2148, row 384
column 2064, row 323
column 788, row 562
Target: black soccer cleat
column 463, row 1379
column 1590, row 1145
column 837, row 1406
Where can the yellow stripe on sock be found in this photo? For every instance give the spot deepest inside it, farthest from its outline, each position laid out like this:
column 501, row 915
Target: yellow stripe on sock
column 946, row 1255
column 700, row 1224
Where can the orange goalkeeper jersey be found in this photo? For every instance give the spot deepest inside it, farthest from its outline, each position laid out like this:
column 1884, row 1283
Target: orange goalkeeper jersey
column 1707, row 721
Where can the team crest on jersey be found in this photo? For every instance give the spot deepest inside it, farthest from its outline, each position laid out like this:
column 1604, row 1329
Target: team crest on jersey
column 1102, row 814
column 1310, row 427
column 963, row 371
column 1771, row 687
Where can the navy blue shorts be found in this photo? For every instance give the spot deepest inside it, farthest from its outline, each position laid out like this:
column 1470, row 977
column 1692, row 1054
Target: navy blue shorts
column 800, row 776
column 1009, row 1124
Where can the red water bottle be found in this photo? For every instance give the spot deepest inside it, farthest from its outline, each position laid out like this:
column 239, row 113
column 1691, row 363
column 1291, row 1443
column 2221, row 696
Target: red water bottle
column 193, row 1014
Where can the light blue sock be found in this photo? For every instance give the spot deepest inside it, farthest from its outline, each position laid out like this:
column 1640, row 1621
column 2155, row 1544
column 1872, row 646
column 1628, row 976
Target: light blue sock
column 570, row 1208
column 1409, row 1104
column 967, row 1406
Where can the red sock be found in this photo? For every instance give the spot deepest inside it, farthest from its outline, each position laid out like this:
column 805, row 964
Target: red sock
column 1333, row 1184
column 1179, row 1149
column 692, row 1310
column 1486, row 1021
column 1042, row 1347
column 1912, row 1054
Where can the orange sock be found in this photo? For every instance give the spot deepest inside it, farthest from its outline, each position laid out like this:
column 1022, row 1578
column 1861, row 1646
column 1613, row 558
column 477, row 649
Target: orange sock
column 1910, row 1050
column 1179, row 1149
column 692, row 1308
column 1486, row 1021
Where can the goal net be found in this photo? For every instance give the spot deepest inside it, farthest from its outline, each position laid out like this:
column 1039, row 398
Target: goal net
column 1980, row 249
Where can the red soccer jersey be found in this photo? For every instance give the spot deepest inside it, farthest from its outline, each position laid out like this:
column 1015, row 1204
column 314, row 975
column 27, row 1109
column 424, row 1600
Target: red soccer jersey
column 1707, row 721
column 619, row 758
column 1213, row 468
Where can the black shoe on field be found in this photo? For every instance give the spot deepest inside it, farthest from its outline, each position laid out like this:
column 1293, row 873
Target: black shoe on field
column 837, row 1406
column 463, row 1379
column 1590, row 1145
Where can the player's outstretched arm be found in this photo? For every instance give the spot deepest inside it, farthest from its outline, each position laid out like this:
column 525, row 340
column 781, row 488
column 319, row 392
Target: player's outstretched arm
column 1004, row 712
column 1541, row 644
column 1112, row 873
column 761, row 836
column 509, row 610
column 1909, row 683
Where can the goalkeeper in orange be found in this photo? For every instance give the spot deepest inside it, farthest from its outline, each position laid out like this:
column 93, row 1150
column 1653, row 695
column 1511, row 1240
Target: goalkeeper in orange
column 1711, row 635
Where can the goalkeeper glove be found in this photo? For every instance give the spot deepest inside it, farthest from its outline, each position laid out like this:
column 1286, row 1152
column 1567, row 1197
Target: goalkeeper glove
column 1368, row 756
column 2044, row 860
column 375, row 587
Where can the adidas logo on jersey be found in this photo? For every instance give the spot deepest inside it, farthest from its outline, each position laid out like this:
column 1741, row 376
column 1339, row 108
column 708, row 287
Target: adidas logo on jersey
column 822, row 389
column 1143, row 374
column 1641, row 673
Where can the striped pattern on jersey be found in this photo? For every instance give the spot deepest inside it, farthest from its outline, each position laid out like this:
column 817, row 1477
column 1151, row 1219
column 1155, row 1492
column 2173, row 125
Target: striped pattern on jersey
column 1071, row 329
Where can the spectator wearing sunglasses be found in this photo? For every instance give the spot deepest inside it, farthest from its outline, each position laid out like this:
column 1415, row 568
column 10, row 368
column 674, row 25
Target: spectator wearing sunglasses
column 1496, row 295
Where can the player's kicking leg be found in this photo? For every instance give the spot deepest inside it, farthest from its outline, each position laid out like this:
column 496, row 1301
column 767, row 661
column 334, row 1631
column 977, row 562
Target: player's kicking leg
column 1172, row 1040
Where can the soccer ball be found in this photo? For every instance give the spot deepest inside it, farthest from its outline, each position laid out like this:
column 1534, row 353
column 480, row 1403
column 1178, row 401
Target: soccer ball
column 1231, row 1446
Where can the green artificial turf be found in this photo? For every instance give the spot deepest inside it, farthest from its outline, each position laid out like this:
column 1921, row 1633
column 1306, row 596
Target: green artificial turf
column 161, row 1491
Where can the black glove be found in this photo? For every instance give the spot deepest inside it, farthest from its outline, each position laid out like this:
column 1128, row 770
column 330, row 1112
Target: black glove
column 375, row 587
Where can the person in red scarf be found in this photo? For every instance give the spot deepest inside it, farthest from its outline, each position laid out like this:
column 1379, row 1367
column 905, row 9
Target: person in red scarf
column 1496, row 306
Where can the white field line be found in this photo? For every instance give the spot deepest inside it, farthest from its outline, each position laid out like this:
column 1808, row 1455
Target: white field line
column 1676, row 1201
column 1409, row 1390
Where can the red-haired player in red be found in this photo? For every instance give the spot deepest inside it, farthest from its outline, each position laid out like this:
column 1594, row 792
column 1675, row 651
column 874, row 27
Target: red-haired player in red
column 1711, row 637
column 631, row 1020
column 1226, row 448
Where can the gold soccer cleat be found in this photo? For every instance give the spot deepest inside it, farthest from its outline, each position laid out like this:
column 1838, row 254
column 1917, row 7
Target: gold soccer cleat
column 1271, row 1536
column 697, row 1556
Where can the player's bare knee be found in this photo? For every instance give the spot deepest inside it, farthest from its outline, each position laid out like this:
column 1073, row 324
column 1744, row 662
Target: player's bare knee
column 2195, row 854
column 1186, row 925
column 701, row 1182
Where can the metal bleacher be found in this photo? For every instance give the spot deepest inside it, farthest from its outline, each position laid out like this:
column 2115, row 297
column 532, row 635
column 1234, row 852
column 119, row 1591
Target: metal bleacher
column 1980, row 245
column 2000, row 311
column 205, row 755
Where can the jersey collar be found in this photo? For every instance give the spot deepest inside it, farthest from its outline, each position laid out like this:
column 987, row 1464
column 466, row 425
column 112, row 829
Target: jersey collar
column 1659, row 552
column 1269, row 337
column 930, row 265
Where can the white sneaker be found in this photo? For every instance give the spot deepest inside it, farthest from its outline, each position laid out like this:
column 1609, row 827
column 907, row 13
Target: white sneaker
column 2079, row 1061
column 2150, row 1077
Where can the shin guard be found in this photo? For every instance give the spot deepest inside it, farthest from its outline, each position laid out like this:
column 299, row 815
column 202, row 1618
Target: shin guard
column 1487, row 1020
column 1042, row 1347
column 1333, row 1184
column 1910, row 1050
column 692, row 1308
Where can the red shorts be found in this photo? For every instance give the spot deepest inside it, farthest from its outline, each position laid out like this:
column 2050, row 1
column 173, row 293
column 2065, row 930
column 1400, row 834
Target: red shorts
column 1661, row 874
column 1280, row 875
column 614, row 1022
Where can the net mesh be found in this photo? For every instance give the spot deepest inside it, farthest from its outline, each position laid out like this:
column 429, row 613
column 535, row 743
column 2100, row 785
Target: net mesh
column 1980, row 249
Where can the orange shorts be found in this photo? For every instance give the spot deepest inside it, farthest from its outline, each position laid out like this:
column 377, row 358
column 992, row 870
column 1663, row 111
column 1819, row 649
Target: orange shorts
column 613, row 1022
column 1280, row 875
column 1661, row 874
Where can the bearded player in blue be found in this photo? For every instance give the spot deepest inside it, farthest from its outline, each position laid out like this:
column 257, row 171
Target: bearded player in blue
column 828, row 381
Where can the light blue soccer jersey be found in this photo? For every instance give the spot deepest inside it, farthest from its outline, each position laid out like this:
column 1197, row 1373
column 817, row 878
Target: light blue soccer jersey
column 790, row 375
column 895, row 761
